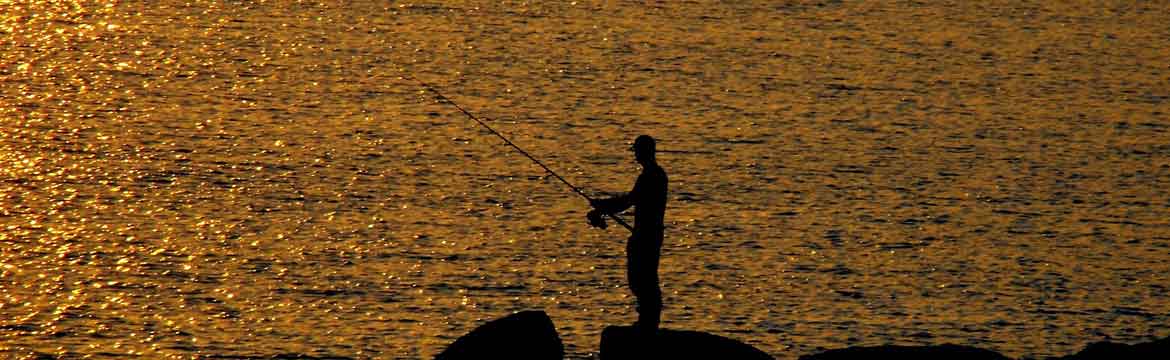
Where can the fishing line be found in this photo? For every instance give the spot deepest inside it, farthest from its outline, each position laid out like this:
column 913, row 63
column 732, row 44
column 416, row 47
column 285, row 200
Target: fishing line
column 575, row 189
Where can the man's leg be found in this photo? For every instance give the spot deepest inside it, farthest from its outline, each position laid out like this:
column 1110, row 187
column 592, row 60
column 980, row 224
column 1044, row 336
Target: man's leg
column 650, row 306
column 643, row 278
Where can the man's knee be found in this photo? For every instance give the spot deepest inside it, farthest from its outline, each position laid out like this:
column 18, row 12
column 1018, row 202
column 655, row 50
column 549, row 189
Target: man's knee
column 647, row 293
column 644, row 285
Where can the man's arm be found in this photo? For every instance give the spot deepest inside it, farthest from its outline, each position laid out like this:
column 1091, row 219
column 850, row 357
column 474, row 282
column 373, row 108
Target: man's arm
column 613, row 205
column 618, row 203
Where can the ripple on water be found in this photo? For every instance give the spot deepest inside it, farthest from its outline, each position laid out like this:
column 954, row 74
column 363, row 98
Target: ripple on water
column 259, row 180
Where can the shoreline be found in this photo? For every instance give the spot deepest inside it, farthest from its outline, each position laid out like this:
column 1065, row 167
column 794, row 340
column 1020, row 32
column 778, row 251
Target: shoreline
column 532, row 335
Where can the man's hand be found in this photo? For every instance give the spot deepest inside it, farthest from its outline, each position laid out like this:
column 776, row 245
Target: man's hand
column 596, row 219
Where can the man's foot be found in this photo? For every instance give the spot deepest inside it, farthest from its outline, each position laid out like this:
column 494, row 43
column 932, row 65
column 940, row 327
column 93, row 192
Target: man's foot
column 645, row 329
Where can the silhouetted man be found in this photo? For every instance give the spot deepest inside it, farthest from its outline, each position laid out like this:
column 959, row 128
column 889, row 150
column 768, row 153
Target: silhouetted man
column 642, row 249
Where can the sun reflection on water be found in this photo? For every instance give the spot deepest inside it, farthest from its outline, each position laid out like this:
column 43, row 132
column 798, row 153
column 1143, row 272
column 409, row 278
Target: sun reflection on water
column 184, row 179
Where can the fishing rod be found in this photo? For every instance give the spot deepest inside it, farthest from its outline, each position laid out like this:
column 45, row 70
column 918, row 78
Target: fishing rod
column 575, row 189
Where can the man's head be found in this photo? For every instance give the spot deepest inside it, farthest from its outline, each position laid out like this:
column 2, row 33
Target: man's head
column 643, row 149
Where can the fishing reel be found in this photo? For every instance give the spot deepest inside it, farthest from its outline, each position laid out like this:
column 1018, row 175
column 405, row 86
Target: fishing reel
column 596, row 219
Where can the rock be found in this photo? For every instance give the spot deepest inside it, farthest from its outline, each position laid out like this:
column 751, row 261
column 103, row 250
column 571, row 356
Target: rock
column 1157, row 349
column 947, row 352
column 622, row 342
column 528, row 335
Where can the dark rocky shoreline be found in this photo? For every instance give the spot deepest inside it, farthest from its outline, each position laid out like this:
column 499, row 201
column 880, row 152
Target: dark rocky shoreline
column 532, row 335
column 1157, row 349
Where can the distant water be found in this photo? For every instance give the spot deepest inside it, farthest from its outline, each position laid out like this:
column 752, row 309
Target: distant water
column 187, row 179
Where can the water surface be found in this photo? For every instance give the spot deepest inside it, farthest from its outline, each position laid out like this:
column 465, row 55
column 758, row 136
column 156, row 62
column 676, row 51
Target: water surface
column 230, row 179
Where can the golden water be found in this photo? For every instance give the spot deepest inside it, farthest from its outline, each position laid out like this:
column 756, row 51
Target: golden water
column 254, row 178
